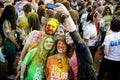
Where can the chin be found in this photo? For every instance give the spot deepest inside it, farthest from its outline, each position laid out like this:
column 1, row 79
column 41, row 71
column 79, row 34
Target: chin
column 49, row 33
column 48, row 49
column 60, row 51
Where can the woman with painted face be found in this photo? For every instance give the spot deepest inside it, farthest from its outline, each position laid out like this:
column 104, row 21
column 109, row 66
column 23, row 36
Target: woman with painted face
column 57, row 65
column 84, row 58
column 59, row 32
column 35, row 35
column 34, row 62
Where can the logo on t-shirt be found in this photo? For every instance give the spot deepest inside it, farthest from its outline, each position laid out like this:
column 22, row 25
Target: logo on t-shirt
column 58, row 74
column 115, row 43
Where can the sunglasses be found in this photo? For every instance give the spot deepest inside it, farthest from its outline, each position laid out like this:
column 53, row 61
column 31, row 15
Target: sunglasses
column 60, row 63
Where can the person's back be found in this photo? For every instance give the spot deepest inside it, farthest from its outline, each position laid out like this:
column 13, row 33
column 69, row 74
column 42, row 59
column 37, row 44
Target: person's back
column 111, row 61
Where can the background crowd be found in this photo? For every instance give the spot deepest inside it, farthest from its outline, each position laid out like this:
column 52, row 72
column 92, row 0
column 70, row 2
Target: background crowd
column 59, row 39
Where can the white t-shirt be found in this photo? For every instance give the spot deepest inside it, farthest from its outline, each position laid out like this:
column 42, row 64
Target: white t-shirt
column 89, row 31
column 113, row 40
column 84, row 20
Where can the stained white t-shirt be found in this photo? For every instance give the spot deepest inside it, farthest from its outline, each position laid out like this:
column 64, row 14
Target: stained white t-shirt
column 113, row 40
column 89, row 30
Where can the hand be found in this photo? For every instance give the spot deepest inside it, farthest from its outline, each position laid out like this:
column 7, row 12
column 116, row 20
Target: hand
column 69, row 23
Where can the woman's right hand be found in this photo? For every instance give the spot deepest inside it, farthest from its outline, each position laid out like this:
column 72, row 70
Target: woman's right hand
column 69, row 23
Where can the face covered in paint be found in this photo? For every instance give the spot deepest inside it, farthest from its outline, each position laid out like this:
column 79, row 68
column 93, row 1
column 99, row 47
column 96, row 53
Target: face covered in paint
column 59, row 32
column 48, row 45
column 51, row 26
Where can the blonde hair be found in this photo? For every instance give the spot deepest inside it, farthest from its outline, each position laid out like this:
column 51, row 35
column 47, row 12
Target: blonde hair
column 42, row 53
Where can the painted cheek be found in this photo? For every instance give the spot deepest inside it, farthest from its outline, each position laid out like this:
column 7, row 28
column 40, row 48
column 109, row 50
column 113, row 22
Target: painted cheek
column 54, row 29
column 47, row 28
column 51, row 45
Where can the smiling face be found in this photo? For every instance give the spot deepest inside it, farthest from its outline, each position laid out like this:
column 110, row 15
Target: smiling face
column 61, row 47
column 51, row 26
column 48, row 45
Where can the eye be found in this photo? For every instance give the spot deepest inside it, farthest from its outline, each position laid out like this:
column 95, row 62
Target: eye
column 53, row 26
column 61, row 31
column 51, row 41
column 46, row 41
column 48, row 25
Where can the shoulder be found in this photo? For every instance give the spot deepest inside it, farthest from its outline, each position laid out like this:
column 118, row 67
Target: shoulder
column 37, row 34
column 6, row 24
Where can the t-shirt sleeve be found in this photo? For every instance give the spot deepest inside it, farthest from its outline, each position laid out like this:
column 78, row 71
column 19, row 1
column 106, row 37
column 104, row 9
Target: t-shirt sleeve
column 28, row 58
column 106, row 41
column 28, row 39
column 7, row 26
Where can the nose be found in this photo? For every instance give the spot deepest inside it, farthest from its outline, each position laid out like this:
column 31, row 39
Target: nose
column 60, row 45
column 50, row 27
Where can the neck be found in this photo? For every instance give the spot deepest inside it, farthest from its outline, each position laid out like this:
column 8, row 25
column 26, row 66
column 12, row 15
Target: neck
column 92, row 22
column 61, row 55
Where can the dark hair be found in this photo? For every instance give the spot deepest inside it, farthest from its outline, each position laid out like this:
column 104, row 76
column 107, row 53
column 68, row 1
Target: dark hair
column 69, row 48
column 105, row 9
column 89, row 9
column 40, row 3
column 41, row 12
column 82, row 4
column 10, row 15
column 1, row 4
column 117, row 7
column 27, row 8
column 91, row 15
column 115, row 24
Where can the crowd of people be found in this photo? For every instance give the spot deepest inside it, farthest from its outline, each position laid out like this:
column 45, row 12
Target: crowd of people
column 58, row 39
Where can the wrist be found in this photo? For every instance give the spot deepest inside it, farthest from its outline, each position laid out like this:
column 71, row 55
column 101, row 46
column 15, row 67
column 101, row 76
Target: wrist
column 70, row 24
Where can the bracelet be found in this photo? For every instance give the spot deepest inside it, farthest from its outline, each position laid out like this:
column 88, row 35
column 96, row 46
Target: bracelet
column 22, row 77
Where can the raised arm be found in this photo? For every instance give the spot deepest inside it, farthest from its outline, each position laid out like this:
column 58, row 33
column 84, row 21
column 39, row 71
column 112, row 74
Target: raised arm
column 81, row 48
